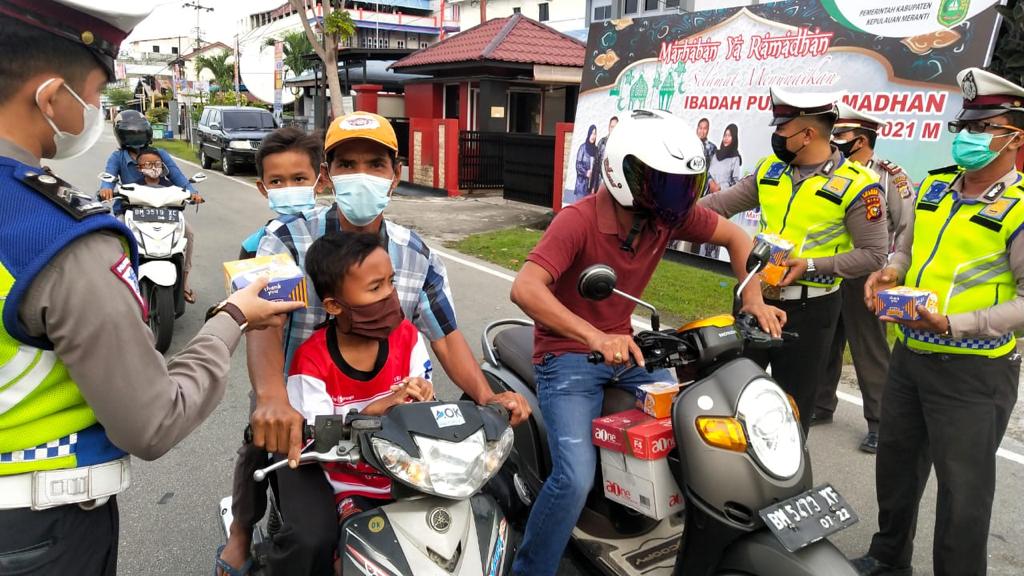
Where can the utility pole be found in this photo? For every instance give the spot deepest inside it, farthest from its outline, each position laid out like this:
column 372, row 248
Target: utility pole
column 199, row 8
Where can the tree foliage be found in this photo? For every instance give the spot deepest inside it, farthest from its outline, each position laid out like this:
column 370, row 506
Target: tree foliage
column 1008, row 58
column 119, row 96
column 336, row 26
column 218, row 65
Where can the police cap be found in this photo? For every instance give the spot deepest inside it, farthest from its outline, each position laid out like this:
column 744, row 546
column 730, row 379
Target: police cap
column 789, row 105
column 987, row 95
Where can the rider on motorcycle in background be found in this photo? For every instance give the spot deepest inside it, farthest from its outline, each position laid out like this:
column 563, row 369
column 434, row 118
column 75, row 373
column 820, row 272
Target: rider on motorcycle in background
column 653, row 172
column 134, row 132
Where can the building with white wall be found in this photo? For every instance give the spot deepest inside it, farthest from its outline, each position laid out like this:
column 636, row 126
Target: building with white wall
column 566, row 16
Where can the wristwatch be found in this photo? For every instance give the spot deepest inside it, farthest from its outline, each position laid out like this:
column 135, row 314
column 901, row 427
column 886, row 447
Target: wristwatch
column 810, row 266
column 949, row 329
column 231, row 310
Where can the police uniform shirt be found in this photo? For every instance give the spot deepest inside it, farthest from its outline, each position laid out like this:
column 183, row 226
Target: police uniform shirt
column 899, row 197
column 95, row 321
column 994, row 321
column 870, row 237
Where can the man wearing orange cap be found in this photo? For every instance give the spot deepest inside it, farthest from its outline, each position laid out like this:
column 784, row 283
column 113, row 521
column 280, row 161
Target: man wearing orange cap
column 854, row 135
column 69, row 415
column 954, row 373
column 361, row 153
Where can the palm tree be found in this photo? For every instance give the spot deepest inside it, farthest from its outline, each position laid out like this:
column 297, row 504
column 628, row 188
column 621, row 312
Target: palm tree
column 223, row 72
column 335, row 26
column 295, row 46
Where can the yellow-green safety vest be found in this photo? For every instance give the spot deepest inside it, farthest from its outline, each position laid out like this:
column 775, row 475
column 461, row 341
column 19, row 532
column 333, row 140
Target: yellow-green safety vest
column 812, row 216
column 960, row 253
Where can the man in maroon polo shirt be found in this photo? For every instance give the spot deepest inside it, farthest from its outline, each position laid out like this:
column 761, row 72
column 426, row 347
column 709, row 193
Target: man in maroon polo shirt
column 653, row 172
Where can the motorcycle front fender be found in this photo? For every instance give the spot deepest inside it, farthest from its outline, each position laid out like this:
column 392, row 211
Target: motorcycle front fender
column 159, row 272
column 762, row 554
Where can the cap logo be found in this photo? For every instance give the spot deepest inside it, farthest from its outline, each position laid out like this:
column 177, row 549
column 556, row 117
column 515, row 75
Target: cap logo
column 969, row 86
column 359, row 123
column 696, row 163
column 88, row 38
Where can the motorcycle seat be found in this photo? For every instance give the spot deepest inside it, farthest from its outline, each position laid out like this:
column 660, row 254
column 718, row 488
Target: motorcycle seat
column 514, row 347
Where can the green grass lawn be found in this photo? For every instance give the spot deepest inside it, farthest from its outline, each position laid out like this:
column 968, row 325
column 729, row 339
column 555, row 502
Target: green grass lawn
column 177, row 148
column 681, row 293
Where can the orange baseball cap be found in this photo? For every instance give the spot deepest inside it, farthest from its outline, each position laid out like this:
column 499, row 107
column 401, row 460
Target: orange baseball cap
column 361, row 125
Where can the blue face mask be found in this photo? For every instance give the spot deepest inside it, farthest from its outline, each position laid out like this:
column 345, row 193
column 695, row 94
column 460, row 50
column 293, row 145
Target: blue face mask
column 972, row 150
column 291, row 200
column 361, row 197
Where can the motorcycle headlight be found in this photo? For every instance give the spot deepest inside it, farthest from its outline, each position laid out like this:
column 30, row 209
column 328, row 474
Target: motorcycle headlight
column 446, row 469
column 773, row 432
column 239, row 145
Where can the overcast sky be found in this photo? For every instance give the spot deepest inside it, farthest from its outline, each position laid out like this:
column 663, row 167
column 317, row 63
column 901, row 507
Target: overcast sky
column 171, row 18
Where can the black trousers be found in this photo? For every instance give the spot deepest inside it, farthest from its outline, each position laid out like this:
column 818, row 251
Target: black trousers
column 869, row 348
column 950, row 410
column 309, row 533
column 62, row 540
column 799, row 366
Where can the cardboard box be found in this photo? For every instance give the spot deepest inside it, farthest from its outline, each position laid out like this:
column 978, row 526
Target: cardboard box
column 901, row 302
column 634, row 433
column 646, row 486
column 287, row 282
column 610, row 431
column 656, row 399
column 775, row 270
column 651, row 440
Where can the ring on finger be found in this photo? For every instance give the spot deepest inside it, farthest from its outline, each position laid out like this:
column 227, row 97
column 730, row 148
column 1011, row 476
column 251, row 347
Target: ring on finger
column 618, row 357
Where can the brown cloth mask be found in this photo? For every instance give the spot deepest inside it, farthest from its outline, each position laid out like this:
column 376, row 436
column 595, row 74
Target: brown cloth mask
column 375, row 321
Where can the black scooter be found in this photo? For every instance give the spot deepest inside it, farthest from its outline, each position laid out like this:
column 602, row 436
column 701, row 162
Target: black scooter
column 740, row 458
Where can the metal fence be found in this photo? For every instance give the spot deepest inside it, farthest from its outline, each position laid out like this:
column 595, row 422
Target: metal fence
column 529, row 168
column 481, row 159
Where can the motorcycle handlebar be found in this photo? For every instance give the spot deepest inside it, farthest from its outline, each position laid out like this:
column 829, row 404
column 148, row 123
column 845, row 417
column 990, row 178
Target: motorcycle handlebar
column 307, row 434
column 595, row 357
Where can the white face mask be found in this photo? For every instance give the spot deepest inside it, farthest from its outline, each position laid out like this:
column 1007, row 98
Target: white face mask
column 292, row 199
column 361, row 197
column 72, row 145
column 152, row 172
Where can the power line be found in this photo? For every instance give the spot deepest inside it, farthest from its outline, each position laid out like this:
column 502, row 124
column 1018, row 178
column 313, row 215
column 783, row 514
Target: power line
column 199, row 8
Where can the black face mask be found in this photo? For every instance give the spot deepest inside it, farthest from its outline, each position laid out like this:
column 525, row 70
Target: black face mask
column 847, row 147
column 779, row 147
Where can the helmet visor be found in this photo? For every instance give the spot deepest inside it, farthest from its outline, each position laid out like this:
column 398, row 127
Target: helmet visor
column 134, row 138
column 668, row 197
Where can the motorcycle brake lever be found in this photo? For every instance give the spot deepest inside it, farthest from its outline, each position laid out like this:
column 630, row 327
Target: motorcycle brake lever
column 345, row 453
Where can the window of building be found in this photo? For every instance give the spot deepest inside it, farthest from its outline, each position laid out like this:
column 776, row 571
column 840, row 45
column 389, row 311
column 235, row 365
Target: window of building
column 423, row 45
column 650, row 5
column 671, row 3
column 174, row 49
column 542, row 12
column 602, row 11
column 156, row 49
column 401, row 43
column 516, row 10
column 630, row 6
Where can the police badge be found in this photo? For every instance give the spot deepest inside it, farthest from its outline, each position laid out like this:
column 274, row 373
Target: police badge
column 969, row 86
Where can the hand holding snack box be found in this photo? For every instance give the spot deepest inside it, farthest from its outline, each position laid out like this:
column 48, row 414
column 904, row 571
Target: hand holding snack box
column 901, row 302
column 781, row 249
column 287, row 283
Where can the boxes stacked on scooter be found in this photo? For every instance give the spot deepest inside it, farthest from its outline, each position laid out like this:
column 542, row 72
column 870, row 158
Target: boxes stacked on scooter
column 287, row 282
column 901, row 302
column 633, row 447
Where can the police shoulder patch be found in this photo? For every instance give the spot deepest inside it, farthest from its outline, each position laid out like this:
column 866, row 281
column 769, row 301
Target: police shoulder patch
column 775, row 171
column 63, row 194
column 998, row 209
column 890, row 167
column 902, row 184
column 837, row 185
column 872, row 204
column 125, row 272
column 935, row 192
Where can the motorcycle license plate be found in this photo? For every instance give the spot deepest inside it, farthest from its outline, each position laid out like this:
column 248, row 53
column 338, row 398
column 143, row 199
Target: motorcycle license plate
column 809, row 517
column 155, row 215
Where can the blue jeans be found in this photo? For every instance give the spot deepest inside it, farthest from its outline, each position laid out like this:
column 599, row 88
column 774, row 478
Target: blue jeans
column 571, row 395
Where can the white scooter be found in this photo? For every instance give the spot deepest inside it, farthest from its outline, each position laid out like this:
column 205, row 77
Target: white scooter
column 155, row 215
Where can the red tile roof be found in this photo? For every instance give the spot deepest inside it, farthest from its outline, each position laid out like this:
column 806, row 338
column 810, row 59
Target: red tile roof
column 512, row 39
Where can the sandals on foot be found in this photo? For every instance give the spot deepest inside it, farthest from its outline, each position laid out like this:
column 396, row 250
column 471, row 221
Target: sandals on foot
column 190, row 295
column 222, row 567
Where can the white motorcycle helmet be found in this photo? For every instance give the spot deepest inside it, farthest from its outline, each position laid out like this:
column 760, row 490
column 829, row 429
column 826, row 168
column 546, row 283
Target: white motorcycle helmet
column 654, row 163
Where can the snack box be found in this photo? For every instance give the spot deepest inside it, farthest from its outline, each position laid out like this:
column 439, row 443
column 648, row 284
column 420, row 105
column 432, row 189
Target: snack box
column 635, row 434
column 646, row 486
column 287, row 282
column 656, row 399
column 775, row 270
column 901, row 302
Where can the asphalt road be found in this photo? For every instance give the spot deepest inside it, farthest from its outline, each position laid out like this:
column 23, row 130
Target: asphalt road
column 169, row 522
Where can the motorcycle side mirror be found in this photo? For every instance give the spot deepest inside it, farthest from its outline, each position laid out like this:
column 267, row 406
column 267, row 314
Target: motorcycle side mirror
column 197, row 178
column 107, row 177
column 760, row 254
column 597, row 282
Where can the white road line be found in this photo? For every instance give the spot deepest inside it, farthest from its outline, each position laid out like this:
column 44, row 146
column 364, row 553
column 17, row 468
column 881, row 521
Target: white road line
column 644, row 325
column 209, row 171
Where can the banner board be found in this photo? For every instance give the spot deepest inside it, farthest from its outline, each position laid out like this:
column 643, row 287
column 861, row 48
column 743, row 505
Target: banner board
column 896, row 59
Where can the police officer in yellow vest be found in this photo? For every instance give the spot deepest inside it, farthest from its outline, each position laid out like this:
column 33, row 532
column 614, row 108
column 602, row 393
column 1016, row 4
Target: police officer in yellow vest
column 954, row 373
column 854, row 135
column 81, row 385
column 832, row 210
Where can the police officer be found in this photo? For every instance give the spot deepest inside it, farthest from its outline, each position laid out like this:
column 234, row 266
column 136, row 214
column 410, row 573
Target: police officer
column 71, row 410
column 854, row 135
column 832, row 211
column 953, row 374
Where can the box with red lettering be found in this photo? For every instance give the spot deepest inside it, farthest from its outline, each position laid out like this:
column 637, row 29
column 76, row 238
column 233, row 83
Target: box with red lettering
column 636, row 474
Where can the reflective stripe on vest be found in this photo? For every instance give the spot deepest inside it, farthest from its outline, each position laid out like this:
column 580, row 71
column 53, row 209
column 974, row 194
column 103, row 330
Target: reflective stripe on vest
column 45, row 423
column 812, row 216
column 960, row 254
